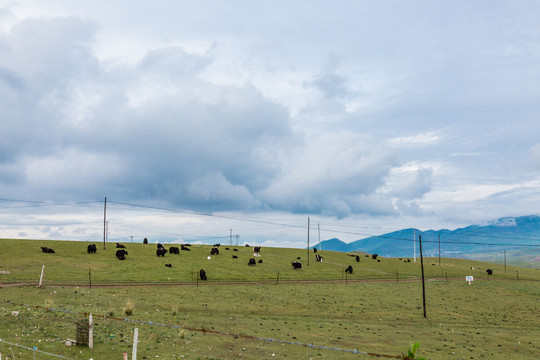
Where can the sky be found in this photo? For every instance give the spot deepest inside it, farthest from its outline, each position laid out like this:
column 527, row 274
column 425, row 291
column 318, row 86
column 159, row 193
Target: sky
column 195, row 118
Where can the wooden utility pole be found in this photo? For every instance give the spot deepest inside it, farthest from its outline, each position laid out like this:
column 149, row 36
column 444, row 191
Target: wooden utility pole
column 505, row 261
column 104, row 222
column 439, row 249
column 308, row 240
column 319, row 230
column 423, row 283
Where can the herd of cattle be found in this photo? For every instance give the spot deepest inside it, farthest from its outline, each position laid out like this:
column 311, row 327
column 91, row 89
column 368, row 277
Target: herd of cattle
column 161, row 251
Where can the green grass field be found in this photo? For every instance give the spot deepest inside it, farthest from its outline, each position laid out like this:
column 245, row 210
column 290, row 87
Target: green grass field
column 377, row 309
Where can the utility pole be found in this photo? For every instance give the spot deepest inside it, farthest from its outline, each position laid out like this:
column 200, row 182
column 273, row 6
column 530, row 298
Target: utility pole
column 104, row 222
column 423, row 285
column 414, row 241
column 230, row 239
column 308, row 240
column 319, row 229
column 505, row 261
column 439, row 249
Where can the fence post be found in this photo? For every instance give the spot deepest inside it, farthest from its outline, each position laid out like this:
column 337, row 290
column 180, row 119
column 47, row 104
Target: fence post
column 135, row 340
column 277, row 280
column 90, row 332
column 41, row 277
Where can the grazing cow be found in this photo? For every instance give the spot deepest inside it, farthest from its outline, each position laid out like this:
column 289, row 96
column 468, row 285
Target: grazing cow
column 121, row 254
column 256, row 249
column 235, row 249
column 174, row 250
column 145, row 241
column 92, row 249
column 472, row 267
column 235, row 257
column 202, row 275
column 185, row 248
column 296, row 265
column 298, row 258
column 227, row 249
column 247, row 245
column 120, row 246
column 489, row 271
column 160, row 246
column 168, row 265
column 214, row 251
column 251, row 262
column 315, row 250
column 318, row 257
column 374, row 256
column 357, row 258
column 260, row 261
column 349, row 269
column 161, row 252
column 47, row 250
column 217, row 245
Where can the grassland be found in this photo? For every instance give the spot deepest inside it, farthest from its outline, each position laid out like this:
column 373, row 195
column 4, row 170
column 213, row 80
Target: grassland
column 377, row 309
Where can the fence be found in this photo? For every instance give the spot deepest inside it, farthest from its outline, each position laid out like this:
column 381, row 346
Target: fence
column 82, row 326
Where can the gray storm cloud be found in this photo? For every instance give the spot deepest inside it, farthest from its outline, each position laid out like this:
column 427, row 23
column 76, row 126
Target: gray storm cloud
column 157, row 130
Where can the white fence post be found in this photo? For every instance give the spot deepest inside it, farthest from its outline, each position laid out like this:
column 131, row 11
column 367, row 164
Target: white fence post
column 90, row 332
column 41, row 277
column 135, row 340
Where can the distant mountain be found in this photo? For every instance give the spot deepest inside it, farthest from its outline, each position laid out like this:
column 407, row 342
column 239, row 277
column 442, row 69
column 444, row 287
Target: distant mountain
column 503, row 234
column 335, row 245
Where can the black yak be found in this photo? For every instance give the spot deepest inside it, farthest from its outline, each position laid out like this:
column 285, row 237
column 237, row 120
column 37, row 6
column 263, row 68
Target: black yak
column 349, row 269
column 92, row 249
column 185, row 248
column 202, row 275
column 47, row 250
column 121, row 254
column 374, row 256
column 161, row 252
column 145, row 241
column 489, row 271
column 120, row 246
column 251, row 262
column 296, row 265
column 174, row 250
column 214, row 251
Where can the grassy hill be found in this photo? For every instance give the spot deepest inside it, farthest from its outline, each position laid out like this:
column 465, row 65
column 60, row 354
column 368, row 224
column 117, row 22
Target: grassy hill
column 265, row 311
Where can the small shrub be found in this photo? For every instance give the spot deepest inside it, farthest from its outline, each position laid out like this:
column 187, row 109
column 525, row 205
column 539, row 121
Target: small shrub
column 129, row 307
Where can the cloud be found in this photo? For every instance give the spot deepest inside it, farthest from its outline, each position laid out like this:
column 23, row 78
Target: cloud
column 333, row 174
column 535, row 154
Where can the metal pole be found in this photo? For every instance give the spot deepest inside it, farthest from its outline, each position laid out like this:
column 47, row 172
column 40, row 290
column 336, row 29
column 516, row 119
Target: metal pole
column 423, row 284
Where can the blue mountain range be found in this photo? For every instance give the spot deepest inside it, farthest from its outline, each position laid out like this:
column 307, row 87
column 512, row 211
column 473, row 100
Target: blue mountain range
column 509, row 233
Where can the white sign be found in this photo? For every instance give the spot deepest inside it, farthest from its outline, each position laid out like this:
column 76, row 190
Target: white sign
column 469, row 279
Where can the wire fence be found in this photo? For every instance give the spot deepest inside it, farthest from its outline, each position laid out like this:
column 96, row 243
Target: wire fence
column 189, row 328
column 33, row 349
